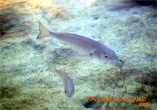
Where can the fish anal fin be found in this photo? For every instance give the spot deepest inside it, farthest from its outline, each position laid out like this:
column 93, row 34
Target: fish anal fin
column 63, row 43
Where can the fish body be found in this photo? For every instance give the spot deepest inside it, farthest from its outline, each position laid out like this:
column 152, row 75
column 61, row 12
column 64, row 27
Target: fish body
column 85, row 45
column 68, row 83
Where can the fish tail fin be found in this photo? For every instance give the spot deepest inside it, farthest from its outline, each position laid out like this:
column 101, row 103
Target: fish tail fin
column 50, row 67
column 44, row 32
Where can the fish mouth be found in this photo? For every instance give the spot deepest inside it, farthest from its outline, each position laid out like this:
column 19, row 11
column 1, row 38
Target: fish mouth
column 38, row 37
column 121, row 61
column 69, row 95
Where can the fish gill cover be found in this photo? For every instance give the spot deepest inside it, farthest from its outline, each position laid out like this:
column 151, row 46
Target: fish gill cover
column 125, row 26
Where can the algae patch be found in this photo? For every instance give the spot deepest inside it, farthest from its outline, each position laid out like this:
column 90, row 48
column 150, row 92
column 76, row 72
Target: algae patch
column 13, row 98
column 149, row 78
column 8, row 92
column 18, row 104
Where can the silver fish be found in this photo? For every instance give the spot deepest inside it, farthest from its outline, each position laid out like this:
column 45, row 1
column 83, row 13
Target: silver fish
column 85, row 45
column 68, row 83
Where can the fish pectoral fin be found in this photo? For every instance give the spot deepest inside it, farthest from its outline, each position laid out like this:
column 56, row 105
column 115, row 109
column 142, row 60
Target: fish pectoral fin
column 81, row 57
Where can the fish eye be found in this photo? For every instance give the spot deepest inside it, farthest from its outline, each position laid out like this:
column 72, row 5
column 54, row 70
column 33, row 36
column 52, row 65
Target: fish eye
column 65, row 91
column 105, row 55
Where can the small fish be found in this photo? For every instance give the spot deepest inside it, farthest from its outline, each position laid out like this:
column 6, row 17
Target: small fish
column 68, row 83
column 85, row 45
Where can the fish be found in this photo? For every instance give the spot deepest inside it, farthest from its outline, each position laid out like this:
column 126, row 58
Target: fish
column 87, row 46
column 69, row 88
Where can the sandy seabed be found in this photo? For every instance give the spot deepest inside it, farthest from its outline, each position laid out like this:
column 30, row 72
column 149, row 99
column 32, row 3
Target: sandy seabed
column 127, row 28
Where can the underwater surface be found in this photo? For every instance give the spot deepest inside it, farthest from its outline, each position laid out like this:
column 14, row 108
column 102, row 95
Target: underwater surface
column 47, row 74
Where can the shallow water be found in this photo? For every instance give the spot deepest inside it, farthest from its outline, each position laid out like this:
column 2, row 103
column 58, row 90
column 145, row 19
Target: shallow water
column 127, row 28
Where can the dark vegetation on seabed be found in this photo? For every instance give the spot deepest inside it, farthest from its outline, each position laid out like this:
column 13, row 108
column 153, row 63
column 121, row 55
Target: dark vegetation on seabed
column 11, row 19
column 149, row 78
column 13, row 14
column 146, row 2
